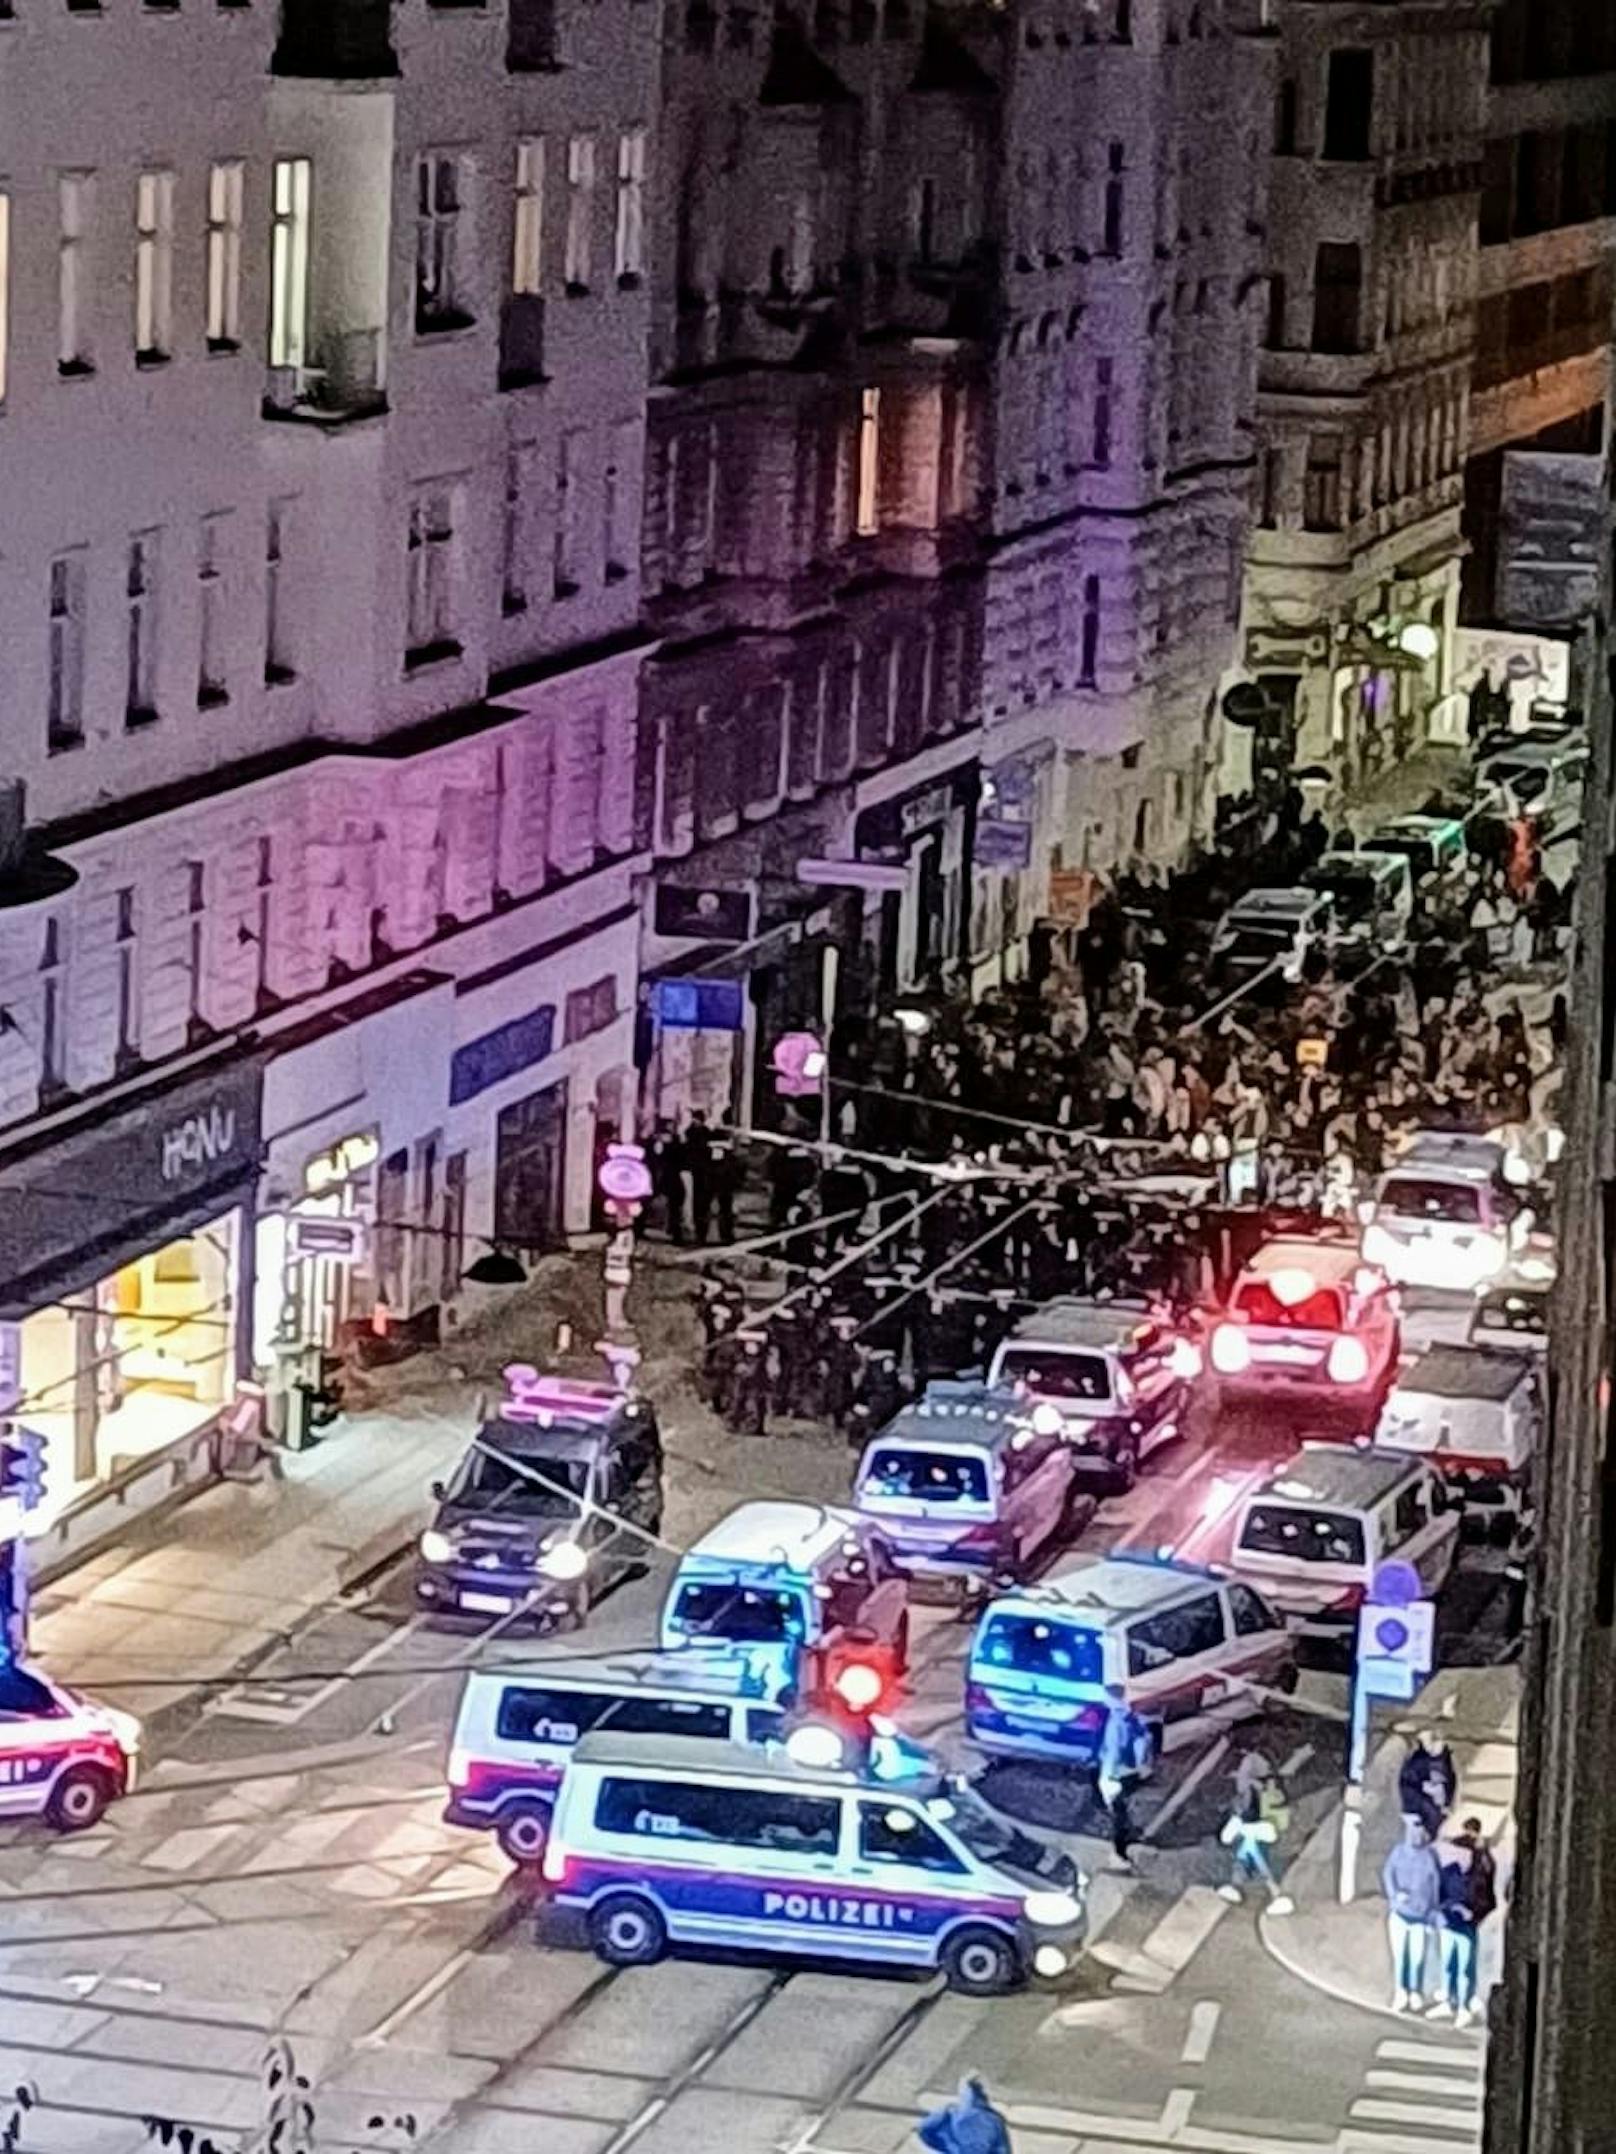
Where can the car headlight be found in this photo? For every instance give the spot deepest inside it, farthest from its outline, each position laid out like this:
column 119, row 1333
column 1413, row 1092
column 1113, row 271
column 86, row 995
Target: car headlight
column 1377, row 1246
column 1231, row 1350
column 436, row 1547
column 1348, row 1362
column 563, row 1560
column 1051, row 1910
column 1048, row 1961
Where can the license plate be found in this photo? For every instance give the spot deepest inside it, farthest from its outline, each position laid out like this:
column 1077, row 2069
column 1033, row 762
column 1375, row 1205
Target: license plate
column 487, row 1603
column 1292, row 1356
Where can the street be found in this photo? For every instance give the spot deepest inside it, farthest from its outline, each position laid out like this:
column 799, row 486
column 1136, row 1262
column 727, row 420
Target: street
column 284, row 1867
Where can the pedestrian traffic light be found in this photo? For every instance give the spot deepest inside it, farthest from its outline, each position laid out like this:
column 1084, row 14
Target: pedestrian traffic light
column 22, row 1468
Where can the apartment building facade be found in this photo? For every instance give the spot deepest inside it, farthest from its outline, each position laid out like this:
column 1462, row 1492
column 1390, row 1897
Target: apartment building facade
column 943, row 525
column 319, row 586
column 1544, row 273
column 1364, row 386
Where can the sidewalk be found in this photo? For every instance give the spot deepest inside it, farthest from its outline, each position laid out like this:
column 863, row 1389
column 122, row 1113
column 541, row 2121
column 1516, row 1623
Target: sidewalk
column 1343, row 1950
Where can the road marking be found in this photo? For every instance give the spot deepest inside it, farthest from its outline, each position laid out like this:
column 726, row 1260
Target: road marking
column 1425, row 2083
column 1130, row 2131
column 1206, row 1763
column 438, row 1981
column 183, row 1849
column 1365, row 2142
column 1171, row 1945
column 1176, row 2111
column 1429, row 2053
column 1462, row 2120
column 1203, row 2026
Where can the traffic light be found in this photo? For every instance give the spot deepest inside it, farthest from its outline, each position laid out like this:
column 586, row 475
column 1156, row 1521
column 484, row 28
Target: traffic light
column 22, row 1468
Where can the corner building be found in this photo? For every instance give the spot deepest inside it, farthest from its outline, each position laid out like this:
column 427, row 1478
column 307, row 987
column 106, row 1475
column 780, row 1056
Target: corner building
column 323, row 384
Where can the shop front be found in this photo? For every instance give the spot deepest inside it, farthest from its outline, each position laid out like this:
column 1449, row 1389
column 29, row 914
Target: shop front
column 919, row 933
column 125, row 1266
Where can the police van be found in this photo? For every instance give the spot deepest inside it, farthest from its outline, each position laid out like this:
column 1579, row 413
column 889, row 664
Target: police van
column 814, row 1582
column 1176, row 1640
column 62, row 1757
column 972, row 1486
column 516, row 1729
column 658, row 1840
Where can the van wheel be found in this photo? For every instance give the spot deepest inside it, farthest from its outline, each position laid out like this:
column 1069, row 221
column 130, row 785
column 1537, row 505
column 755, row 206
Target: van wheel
column 522, row 1833
column 627, row 1931
column 980, row 1963
column 78, row 1800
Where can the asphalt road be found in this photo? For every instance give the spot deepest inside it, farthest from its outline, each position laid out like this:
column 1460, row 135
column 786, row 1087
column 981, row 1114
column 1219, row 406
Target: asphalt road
column 286, row 1869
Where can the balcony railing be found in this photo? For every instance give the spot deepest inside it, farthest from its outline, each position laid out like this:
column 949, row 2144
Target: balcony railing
column 344, row 384
column 337, row 40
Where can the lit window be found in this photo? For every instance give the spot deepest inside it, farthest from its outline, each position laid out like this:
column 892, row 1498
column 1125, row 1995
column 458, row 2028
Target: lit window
column 869, row 463
column 65, row 709
column 431, row 576
column 580, row 210
column 212, row 684
column 527, row 248
column 140, row 687
column 440, row 273
column 154, row 266
column 224, row 257
column 629, row 253
column 289, row 263
column 74, row 195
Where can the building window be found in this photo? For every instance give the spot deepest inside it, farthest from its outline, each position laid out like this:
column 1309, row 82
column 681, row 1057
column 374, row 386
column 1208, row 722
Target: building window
column 225, row 192
column 591, row 1009
column 260, row 930
column 619, row 524
column 1111, row 239
column 527, row 243
column 1274, row 332
column 513, row 571
column 867, row 504
column 140, row 673
column 5, row 292
column 1337, row 296
column 1273, row 471
column 440, row 295
column 431, row 565
column 1105, row 372
column 64, row 718
column 569, row 459
column 128, row 956
column 1348, row 104
column 278, row 658
column 212, row 685
column 629, row 245
column 1321, row 484
column 923, row 220
column 154, row 267
column 580, row 211
column 1285, row 118
column 289, row 263
column 1088, row 649
column 74, row 194
column 52, row 1077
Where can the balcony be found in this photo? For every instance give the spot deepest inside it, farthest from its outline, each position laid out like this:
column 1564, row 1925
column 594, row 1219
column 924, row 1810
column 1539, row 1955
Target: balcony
column 345, row 382
column 521, row 341
column 335, row 40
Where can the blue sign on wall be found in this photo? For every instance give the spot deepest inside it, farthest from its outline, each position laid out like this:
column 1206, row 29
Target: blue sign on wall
column 501, row 1053
column 699, row 1005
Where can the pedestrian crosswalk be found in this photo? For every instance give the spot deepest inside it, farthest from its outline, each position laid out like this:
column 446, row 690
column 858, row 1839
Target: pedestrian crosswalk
column 1420, row 2097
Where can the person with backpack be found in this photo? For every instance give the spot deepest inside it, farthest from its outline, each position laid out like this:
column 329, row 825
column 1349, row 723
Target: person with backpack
column 1468, row 1894
column 1257, row 1818
column 1125, row 1756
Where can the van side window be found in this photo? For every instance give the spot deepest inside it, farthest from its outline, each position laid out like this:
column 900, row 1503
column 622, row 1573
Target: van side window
column 1409, row 1513
column 666, row 1716
column 547, row 1716
column 729, row 1816
column 891, row 1834
column 1175, row 1634
column 1248, row 1612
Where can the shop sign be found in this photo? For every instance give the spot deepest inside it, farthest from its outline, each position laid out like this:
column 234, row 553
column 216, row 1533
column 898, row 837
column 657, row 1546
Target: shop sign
column 499, row 1054
column 201, row 1140
column 1003, row 844
column 1284, row 647
column 313, row 1234
column 931, row 806
column 699, row 1005
column 703, row 915
column 351, row 1156
column 1071, row 893
column 623, row 1174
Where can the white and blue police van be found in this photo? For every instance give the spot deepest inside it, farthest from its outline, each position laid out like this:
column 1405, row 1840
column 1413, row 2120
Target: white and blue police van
column 63, row 1757
column 517, row 1727
column 660, row 1841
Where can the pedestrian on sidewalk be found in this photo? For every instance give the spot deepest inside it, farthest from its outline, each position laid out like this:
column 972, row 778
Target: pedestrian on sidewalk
column 1412, row 1883
column 1256, row 1820
column 1428, row 1781
column 1469, row 1895
column 969, row 2125
column 1123, row 1759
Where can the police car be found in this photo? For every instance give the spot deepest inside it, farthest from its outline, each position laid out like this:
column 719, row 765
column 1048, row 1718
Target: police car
column 62, row 1757
column 657, row 1840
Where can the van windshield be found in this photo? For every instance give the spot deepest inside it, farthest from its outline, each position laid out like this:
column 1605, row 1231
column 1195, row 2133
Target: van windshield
column 532, row 1488
column 1055, row 1373
column 754, row 1615
column 1302, row 1535
column 991, row 1838
column 1454, row 1203
column 932, row 1476
column 1356, row 892
column 1033, row 1645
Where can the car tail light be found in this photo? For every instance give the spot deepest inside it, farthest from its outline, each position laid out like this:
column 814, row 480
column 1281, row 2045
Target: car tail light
column 1231, row 1350
column 459, row 1768
column 1349, row 1361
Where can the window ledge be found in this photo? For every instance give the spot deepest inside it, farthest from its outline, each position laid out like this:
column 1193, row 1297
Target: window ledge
column 212, row 699
column 63, row 743
column 223, row 347
column 630, row 281
column 432, row 328
column 150, row 361
column 136, row 721
column 512, row 606
column 575, row 290
column 616, row 572
column 433, row 654
column 566, row 588
column 522, row 378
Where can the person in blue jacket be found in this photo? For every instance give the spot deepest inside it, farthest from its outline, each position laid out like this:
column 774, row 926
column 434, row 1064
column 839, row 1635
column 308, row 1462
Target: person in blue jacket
column 969, row 2125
